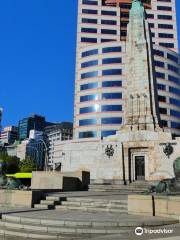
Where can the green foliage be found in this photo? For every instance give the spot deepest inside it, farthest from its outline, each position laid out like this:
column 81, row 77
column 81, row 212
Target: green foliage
column 10, row 163
column 27, row 165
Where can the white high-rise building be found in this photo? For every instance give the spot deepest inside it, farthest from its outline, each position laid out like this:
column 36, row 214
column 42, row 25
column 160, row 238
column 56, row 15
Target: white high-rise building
column 100, row 65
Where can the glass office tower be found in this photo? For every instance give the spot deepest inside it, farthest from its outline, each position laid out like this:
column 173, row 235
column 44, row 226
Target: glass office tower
column 101, row 59
column 35, row 122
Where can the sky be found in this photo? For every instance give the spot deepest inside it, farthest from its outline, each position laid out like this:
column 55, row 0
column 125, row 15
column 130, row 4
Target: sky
column 37, row 58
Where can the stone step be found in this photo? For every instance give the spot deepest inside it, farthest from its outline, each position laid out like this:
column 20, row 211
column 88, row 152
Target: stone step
column 8, row 218
column 61, row 223
column 127, row 191
column 53, row 198
column 94, row 204
column 8, row 233
column 50, row 202
column 118, row 188
column 44, row 206
column 92, row 200
column 91, row 209
column 54, row 230
column 122, row 186
column 12, row 234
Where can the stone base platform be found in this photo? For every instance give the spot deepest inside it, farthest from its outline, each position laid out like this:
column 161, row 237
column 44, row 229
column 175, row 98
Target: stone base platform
column 20, row 198
column 164, row 206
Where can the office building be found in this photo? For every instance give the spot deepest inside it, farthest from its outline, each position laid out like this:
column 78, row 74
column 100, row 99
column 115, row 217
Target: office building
column 101, row 72
column 33, row 122
column 9, row 135
column 32, row 147
column 57, row 133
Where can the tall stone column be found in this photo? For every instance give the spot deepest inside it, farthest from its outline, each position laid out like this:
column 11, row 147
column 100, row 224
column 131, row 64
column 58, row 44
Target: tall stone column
column 140, row 95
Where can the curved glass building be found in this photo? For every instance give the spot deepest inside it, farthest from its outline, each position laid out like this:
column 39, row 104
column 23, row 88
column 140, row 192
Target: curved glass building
column 100, row 65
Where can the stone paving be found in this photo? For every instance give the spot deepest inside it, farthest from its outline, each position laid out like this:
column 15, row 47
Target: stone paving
column 72, row 217
column 95, row 195
column 86, row 216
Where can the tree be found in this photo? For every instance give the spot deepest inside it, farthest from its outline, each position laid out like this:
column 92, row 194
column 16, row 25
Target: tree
column 27, row 165
column 10, row 163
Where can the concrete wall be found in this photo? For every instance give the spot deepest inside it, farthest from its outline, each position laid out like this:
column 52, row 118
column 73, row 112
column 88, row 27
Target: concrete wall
column 166, row 206
column 15, row 198
column 66, row 181
column 89, row 155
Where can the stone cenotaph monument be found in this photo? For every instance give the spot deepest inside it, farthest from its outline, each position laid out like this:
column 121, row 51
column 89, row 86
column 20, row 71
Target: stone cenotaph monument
column 141, row 150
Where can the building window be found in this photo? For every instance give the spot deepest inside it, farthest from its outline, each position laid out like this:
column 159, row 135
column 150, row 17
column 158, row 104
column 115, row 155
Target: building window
column 89, row 2
column 89, row 64
column 165, row 35
column 89, row 11
column 89, row 109
column 114, row 120
column 174, row 79
column 165, row 26
column 164, row 123
column 111, row 72
column 89, row 53
column 89, row 134
column 164, row 8
column 151, row 16
column 161, row 87
column 88, row 20
column 161, row 99
column 111, row 108
column 108, row 22
column 158, row 53
column 163, row 110
column 109, row 13
column 173, row 68
column 175, row 125
column 175, row 113
column 160, row 75
column 174, row 90
column 165, row 17
column 174, row 102
column 111, row 60
column 167, row 45
column 151, row 25
column 89, row 98
column 107, row 40
column 88, row 40
column 112, row 84
column 159, row 64
column 108, row 31
column 172, row 58
column 108, row 133
column 89, row 30
column 112, row 96
column 111, row 49
column 87, row 122
column 89, row 74
column 88, row 86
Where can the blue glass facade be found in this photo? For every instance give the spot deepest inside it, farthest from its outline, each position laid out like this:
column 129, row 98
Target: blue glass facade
column 33, row 122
